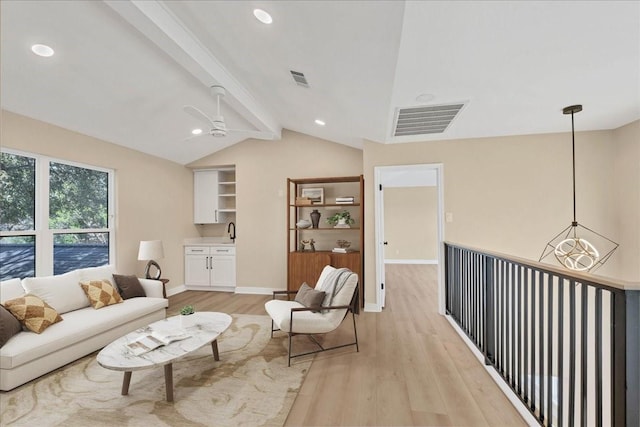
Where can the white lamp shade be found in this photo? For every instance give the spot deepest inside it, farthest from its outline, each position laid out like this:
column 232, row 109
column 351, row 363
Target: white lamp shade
column 150, row 249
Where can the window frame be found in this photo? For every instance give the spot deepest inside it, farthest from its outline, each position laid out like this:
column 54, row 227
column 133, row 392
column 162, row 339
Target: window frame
column 44, row 236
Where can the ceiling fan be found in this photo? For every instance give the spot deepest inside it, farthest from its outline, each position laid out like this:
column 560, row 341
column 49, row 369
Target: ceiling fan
column 217, row 126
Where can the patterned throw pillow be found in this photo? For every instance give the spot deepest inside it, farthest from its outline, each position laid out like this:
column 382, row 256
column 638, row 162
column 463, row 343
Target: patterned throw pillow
column 35, row 314
column 100, row 293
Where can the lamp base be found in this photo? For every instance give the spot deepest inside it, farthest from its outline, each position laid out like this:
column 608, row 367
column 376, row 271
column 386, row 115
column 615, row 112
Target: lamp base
column 147, row 270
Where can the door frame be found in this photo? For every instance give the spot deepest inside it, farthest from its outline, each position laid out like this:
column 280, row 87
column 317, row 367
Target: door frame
column 382, row 175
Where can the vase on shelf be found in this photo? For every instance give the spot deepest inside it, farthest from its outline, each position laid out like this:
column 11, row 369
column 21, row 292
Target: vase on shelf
column 315, row 218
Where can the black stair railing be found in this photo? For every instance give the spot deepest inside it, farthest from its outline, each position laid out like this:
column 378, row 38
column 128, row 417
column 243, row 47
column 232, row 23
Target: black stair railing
column 567, row 344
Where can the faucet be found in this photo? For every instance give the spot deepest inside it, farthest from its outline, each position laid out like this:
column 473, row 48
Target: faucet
column 232, row 235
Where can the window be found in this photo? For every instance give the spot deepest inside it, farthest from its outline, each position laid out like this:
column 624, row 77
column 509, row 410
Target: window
column 54, row 216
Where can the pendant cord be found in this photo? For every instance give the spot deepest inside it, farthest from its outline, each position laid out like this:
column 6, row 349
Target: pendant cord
column 573, row 152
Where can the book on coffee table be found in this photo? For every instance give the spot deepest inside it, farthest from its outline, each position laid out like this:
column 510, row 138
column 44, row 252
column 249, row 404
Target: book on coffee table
column 155, row 339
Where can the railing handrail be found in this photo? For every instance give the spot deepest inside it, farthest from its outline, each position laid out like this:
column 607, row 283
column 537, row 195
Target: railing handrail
column 578, row 276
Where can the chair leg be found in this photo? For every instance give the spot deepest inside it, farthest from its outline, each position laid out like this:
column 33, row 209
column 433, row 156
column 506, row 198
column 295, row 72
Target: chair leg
column 271, row 328
column 290, row 334
column 355, row 331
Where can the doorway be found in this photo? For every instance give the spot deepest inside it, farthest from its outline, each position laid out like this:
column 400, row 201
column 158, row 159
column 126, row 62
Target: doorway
column 402, row 179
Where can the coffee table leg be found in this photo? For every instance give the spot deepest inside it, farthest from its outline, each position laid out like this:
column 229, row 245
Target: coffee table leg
column 214, row 347
column 125, row 383
column 168, row 381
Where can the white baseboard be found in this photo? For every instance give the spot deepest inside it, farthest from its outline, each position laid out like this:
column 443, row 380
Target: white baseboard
column 411, row 261
column 374, row 308
column 176, row 290
column 513, row 398
column 256, row 291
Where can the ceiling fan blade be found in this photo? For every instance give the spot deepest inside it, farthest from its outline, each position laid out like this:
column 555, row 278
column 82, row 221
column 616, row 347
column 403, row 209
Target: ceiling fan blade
column 198, row 114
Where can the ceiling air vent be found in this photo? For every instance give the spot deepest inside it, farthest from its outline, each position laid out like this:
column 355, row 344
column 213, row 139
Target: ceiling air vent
column 300, row 79
column 425, row 120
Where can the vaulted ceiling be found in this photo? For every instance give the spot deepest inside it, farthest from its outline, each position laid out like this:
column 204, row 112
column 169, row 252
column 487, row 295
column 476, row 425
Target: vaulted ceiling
column 123, row 70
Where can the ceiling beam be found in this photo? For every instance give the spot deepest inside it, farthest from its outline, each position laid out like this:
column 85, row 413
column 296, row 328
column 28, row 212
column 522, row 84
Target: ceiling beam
column 154, row 20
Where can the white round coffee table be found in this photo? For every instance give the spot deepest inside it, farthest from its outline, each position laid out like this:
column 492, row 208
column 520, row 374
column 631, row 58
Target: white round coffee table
column 206, row 329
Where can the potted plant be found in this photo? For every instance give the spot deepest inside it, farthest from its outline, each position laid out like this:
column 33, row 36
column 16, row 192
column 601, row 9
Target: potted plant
column 186, row 318
column 341, row 219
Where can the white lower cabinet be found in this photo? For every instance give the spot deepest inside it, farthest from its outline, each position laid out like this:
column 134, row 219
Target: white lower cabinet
column 210, row 268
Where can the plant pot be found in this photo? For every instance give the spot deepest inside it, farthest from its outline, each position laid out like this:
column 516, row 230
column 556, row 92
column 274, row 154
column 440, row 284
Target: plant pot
column 187, row 320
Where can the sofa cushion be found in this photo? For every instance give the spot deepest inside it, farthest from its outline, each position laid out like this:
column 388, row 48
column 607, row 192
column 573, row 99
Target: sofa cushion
column 33, row 312
column 128, row 286
column 307, row 321
column 10, row 289
column 309, row 297
column 101, row 293
column 9, row 325
column 104, row 272
column 62, row 292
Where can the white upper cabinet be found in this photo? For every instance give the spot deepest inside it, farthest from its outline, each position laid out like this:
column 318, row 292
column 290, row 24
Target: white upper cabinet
column 214, row 198
column 205, row 197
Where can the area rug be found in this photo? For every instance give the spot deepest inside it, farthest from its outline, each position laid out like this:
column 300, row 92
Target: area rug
column 251, row 385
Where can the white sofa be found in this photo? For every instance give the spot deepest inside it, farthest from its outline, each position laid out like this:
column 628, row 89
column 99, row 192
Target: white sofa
column 83, row 330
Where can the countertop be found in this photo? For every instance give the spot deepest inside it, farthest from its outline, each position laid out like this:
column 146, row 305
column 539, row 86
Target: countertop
column 208, row 241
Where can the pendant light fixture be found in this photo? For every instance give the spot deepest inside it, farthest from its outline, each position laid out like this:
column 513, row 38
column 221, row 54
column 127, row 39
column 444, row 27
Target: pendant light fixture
column 578, row 247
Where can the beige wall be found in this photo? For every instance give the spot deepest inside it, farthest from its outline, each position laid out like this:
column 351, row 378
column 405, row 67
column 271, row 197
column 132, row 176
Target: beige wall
column 508, row 194
column 262, row 169
column 513, row 194
column 411, row 223
column 626, row 175
column 154, row 197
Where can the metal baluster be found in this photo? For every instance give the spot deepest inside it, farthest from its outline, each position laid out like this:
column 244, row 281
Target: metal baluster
column 572, row 352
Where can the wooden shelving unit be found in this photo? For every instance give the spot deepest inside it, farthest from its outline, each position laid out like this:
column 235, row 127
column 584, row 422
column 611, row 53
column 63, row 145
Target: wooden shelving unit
column 306, row 266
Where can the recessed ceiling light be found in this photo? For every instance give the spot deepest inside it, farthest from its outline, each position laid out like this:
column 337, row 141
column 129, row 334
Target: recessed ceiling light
column 425, row 97
column 196, row 131
column 42, row 50
column 262, row 16
column 320, row 122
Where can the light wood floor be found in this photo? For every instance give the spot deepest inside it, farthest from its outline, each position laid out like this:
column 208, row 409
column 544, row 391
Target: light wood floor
column 412, row 368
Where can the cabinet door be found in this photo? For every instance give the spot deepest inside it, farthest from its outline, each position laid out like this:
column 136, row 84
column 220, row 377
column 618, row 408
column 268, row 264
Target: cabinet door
column 306, row 267
column 196, row 270
column 223, row 270
column 205, row 197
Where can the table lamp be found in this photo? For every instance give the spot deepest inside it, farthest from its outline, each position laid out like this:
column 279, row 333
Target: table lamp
column 150, row 250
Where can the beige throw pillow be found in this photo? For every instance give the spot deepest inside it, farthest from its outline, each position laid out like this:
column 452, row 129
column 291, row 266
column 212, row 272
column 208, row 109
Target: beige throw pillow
column 35, row 314
column 100, row 293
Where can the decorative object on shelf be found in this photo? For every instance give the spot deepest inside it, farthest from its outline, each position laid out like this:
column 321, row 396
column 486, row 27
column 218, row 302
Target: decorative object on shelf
column 315, row 218
column 316, row 195
column 186, row 318
column 343, row 244
column 149, row 251
column 303, row 223
column 343, row 247
column 303, row 201
column 341, row 219
column 304, row 243
column 313, row 245
column 571, row 247
column 345, row 200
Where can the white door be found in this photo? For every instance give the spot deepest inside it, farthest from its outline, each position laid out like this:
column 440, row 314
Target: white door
column 205, row 197
column 405, row 176
column 197, row 268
